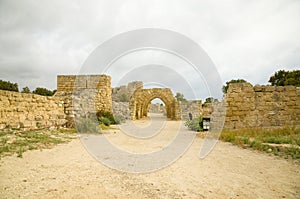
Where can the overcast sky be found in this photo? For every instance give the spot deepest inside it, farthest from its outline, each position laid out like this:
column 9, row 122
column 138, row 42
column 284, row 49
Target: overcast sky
column 245, row 39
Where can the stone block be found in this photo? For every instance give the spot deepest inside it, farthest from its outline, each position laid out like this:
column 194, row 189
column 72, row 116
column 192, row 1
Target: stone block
column 269, row 88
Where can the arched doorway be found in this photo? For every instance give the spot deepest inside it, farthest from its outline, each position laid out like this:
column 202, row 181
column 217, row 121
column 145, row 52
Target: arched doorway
column 139, row 102
column 157, row 107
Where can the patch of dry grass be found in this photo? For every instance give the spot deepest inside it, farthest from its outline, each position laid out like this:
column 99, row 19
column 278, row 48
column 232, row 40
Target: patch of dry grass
column 283, row 142
column 16, row 142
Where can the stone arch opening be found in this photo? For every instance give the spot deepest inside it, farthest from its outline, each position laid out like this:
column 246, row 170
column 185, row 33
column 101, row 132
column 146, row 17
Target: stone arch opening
column 141, row 98
column 157, row 106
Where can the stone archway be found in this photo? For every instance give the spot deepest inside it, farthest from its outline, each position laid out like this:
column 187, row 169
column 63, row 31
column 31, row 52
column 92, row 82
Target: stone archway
column 141, row 98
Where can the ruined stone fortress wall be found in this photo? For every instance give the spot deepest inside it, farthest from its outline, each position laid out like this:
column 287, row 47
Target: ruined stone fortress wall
column 262, row 106
column 99, row 86
column 30, row 111
column 76, row 96
column 123, row 93
column 84, row 95
column 120, row 99
column 193, row 107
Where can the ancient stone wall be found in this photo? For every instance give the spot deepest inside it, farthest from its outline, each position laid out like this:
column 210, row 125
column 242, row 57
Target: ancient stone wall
column 261, row 106
column 84, row 95
column 30, row 111
column 157, row 108
column 123, row 93
column 193, row 107
column 121, row 110
column 120, row 99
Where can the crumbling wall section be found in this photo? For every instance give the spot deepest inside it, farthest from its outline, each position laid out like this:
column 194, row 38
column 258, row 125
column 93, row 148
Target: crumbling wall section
column 261, row 106
column 30, row 111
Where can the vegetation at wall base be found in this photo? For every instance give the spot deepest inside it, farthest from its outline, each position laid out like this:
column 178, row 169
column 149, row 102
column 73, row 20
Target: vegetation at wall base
column 17, row 142
column 105, row 121
column 88, row 125
column 107, row 118
column 284, row 142
column 195, row 124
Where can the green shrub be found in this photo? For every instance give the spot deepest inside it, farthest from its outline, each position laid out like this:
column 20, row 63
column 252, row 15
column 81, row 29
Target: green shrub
column 25, row 90
column 105, row 121
column 106, row 114
column 118, row 120
column 245, row 139
column 229, row 138
column 7, row 85
column 85, row 125
column 195, row 124
column 43, row 91
column 124, row 98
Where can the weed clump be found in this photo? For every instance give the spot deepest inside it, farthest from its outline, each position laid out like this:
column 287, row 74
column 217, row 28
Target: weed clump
column 16, row 142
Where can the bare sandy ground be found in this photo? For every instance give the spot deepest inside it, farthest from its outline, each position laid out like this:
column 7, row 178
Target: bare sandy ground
column 69, row 171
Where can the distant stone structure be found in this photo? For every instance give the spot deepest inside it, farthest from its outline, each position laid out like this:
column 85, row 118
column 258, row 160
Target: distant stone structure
column 120, row 99
column 84, row 95
column 191, row 107
column 140, row 100
column 124, row 93
column 157, row 108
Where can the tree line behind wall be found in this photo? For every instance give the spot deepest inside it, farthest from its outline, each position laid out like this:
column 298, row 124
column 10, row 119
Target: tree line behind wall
column 9, row 86
column 280, row 78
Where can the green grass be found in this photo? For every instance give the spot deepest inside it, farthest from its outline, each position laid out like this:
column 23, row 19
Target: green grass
column 13, row 142
column 284, row 142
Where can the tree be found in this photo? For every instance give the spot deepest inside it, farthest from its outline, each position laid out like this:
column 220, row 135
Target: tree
column 285, row 78
column 25, row 90
column 180, row 97
column 209, row 100
column 7, row 85
column 43, row 91
column 124, row 98
column 225, row 87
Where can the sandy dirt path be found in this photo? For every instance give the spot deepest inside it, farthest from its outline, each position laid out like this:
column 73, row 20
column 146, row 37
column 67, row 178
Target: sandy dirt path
column 68, row 171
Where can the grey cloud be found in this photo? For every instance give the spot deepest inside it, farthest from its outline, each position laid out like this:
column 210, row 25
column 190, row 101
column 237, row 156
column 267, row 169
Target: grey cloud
column 245, row 39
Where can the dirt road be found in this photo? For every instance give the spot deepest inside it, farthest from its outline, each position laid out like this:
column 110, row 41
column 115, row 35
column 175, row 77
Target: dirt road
column 69, row 171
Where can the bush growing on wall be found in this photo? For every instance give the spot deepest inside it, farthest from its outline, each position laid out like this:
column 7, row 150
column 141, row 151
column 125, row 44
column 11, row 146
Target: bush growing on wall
column 233, row 81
